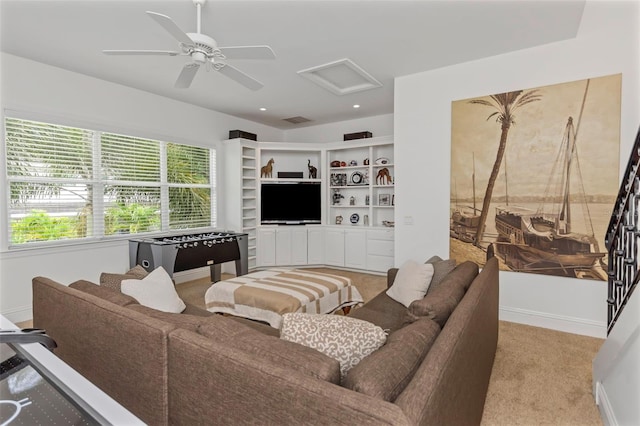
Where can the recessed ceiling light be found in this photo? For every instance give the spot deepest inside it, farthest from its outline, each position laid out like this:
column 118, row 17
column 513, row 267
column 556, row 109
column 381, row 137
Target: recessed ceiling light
column 263, row 109
column 356, row 106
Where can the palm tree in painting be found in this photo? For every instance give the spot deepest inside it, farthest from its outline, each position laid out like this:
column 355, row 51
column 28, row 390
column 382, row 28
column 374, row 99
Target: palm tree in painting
column 505, row 105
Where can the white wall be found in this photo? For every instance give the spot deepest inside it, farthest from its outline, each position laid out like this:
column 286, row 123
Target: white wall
column 607, row 43
column 32, row 87
column 380, row 125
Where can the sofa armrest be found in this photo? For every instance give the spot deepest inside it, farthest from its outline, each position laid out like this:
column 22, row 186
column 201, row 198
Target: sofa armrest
column 391, row 276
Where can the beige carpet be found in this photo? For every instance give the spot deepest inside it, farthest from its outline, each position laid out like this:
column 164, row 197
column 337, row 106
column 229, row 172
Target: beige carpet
column 540, row 376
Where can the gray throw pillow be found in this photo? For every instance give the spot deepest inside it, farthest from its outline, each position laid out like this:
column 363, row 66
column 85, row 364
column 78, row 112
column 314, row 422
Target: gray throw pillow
column 440, row 270
column 114, row 281
column 434, row 259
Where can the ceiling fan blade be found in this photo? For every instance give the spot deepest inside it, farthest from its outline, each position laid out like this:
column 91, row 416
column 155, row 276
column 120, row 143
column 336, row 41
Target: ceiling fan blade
column 248, row 52
column 186, row 75
column 240, row 77
column 168, row 24
column 141, row 52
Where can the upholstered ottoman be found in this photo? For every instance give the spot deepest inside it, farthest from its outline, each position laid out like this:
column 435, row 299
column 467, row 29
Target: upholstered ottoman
column 267, row 295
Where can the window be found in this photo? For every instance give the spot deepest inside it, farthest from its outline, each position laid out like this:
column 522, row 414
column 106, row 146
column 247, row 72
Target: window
column 69, row 183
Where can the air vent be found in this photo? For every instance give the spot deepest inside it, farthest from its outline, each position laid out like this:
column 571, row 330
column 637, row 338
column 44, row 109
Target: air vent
column 341, row 77
column 296, row 120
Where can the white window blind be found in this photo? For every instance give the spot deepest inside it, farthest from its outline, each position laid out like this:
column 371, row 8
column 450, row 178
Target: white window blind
column 70, row 183
column 188, row 177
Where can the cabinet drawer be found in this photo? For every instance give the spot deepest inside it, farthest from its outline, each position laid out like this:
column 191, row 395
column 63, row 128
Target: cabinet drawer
column 379, row 263
column 380, row 247
column 380, row 234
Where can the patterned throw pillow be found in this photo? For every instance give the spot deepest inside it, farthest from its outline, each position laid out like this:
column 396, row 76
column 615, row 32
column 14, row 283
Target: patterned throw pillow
column 348, row 340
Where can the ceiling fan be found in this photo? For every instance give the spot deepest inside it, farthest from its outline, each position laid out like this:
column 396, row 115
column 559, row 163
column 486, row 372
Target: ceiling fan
column 203, row 50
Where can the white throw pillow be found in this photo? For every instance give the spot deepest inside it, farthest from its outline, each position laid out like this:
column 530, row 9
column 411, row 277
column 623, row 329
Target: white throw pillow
column 411, row 283
column 156, row 291
column 346, row 339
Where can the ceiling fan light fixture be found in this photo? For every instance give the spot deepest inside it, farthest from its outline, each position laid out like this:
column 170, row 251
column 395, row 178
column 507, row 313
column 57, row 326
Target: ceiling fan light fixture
column 199, row 57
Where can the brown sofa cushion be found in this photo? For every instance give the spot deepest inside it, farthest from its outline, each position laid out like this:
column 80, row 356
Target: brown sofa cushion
column 382, row 311
column 114, row 281
column 385, row 373
column 188, row 322
column 272, row 349
column 103, row 293
column 440, row 303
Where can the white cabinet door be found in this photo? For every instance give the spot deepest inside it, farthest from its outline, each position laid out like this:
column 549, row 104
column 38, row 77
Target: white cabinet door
column 266, row 247
column 380, row 249
column 315, row 245
column 298, row 245
column 283, row 246
column 355, row 248
column 334, row 247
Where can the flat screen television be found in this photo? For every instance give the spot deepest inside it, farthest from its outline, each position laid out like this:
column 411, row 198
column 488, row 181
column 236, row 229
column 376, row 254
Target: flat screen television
column 290, row 203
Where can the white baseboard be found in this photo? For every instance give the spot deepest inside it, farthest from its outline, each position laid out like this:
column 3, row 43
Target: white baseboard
column 20, row 314
column 554, row 322
column 604, row 406
column 192, row 274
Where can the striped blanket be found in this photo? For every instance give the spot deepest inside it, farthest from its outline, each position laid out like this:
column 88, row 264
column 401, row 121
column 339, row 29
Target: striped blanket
column 267, row 295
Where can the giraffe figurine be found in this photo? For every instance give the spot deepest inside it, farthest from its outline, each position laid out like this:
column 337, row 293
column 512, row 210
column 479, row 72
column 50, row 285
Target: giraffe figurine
column 267, row 171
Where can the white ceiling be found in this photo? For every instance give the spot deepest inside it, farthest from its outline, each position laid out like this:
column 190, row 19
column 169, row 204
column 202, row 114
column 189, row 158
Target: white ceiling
column 386, row 38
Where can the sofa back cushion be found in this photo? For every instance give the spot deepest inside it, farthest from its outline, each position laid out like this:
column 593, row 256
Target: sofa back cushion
column 439, row 303
column 382, row 311
column 271, row 349
column 385, row 373
column 188, row 322
column 103, row 293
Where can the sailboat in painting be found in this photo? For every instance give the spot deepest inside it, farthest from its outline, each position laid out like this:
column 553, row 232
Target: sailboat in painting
column 465, row 219
column 543, row 241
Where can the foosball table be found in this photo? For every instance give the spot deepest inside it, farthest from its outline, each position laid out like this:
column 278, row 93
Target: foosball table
column 176, row 253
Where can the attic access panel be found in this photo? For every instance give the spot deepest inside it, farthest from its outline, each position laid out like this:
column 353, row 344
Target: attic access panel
column 341, row 77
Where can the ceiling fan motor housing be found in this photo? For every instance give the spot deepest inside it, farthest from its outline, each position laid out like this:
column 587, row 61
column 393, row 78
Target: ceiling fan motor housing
column 205, row 48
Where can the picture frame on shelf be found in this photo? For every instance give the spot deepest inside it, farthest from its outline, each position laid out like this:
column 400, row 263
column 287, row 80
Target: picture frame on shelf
column 384, row 199
column 338, row 179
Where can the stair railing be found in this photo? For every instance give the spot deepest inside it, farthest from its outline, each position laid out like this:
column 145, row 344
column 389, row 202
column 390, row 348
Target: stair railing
column 622, row 240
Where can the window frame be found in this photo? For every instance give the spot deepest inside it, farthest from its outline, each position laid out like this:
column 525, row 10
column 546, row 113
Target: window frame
column 99, row 182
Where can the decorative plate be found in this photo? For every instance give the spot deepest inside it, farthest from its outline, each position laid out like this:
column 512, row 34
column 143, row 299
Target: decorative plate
column 356, row 178
column 355, row 218
column 382, row 160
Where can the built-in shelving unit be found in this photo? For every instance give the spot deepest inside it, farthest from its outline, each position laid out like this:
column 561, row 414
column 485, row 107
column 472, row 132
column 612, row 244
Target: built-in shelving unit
column 241, row 166
column 249, row 203
column 290, row 158
column 361, row 188
column 366, row 243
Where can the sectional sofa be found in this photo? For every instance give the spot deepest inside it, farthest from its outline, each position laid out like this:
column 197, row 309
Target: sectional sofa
column 198, row 368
